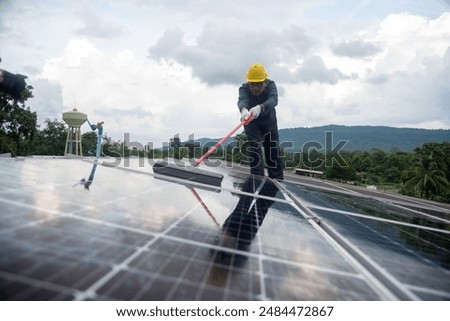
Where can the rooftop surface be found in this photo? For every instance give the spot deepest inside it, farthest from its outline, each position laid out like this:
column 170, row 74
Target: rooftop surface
column 135, row 236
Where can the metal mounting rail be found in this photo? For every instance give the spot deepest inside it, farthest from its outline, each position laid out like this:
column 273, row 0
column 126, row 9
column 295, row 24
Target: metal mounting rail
column 381, row 281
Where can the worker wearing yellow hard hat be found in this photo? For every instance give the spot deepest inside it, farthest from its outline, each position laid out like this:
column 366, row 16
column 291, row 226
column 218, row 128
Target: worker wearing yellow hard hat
column 256, row 73
column 257, row 100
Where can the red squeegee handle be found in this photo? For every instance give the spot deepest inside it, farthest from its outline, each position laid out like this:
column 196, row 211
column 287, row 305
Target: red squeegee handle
column 220, row 142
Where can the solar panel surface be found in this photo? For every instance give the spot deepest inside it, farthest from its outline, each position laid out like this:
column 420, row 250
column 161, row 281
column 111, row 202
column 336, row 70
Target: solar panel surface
column 133, row 236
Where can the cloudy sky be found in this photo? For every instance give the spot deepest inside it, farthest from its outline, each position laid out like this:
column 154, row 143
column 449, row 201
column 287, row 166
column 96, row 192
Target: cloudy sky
column 157, row 68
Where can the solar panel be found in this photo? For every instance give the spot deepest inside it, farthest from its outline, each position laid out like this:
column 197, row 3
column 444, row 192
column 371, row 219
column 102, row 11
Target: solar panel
column 133, row 236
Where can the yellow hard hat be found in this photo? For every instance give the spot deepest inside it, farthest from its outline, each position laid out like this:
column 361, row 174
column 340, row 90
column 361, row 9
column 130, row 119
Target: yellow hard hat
column 256, row 73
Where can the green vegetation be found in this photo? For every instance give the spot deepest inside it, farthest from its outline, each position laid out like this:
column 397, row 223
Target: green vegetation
column 424, row 172
column 17, row 124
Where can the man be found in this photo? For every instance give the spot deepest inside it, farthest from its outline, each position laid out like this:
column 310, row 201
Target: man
column 257, row 101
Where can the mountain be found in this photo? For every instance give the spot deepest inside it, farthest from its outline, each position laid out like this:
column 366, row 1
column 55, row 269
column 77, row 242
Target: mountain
column 351, row 138
column 364, row 138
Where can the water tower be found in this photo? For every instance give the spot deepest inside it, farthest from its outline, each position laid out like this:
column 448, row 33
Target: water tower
column 74, row 119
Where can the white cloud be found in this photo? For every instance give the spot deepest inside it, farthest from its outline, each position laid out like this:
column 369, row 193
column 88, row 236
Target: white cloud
column 408, row 41
column 226, row 47
column 150, row 101
column 399, row 85
column 151, row 70
column 95, row 26
column 47, row 100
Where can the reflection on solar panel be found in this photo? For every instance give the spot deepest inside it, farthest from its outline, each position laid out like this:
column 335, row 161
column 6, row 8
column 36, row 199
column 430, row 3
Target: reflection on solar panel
column 135, row 236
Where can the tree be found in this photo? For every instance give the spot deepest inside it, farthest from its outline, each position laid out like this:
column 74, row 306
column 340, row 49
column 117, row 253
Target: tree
column 89, row 142
column 361, row 161
column 52, row 139
column 111, row 148
column 440, row 153
column 17, row 124
column 396, row 163
column 339, row 172
column 428, row 179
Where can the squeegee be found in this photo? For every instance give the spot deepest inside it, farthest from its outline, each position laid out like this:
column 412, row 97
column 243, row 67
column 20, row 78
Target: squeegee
column 192, row 173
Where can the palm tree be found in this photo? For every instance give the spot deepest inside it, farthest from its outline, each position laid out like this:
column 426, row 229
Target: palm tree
column 428, row 180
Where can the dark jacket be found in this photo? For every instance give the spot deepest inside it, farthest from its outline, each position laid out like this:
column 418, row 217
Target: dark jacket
column 268, row 98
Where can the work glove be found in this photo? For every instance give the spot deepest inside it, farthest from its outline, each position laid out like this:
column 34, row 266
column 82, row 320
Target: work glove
column 245, row 114
column 255, row 111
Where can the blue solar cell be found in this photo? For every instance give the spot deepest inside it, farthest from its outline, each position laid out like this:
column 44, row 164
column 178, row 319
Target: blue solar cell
column 127, row 235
